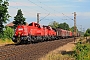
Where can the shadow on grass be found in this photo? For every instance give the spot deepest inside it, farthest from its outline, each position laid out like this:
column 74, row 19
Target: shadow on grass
column 88, row 41
column 11, row 44
column 67, row 52
column 15, row 44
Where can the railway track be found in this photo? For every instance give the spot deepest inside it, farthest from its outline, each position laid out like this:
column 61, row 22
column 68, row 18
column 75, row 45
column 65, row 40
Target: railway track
column 30, row 51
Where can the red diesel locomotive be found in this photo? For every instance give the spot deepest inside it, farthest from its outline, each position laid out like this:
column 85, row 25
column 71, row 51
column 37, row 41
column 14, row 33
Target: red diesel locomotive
column 35, row 33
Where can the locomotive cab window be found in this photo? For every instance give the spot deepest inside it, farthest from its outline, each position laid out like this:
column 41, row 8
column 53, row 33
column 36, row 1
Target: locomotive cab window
column 37, row 25
column 31, row 24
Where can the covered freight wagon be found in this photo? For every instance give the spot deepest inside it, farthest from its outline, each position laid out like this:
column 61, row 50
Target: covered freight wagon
column 60, row 33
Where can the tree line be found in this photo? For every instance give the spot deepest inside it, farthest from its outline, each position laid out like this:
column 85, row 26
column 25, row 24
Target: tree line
column 64, row 26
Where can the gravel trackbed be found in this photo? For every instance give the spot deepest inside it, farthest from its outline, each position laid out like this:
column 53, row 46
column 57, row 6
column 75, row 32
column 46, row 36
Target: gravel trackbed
column 30, row 51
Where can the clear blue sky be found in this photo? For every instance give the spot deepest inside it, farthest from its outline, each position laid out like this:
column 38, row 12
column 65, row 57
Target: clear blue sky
column 53, row 10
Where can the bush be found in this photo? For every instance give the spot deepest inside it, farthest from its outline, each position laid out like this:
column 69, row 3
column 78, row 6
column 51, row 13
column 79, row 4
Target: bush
column 7, row 33
column 82, row 51
column 86, row 34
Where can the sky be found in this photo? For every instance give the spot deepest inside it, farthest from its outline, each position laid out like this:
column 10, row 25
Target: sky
column 53, row 10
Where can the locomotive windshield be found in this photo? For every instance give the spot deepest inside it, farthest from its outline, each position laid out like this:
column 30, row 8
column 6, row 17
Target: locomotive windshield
column 31, row 24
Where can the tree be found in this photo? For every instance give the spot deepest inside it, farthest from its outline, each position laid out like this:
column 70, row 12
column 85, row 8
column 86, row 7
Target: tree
column 87, row 33
column 64, row 26
column 54, row 24
column 3, row 14
column 72, row 29
column 19, row 19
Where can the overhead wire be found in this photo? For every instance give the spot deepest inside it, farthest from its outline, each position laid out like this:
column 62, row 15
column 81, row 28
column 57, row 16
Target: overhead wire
column 42, row 8
column 50, row 8
column 56, row 11
column 47, row 10
column 67, row 16
column 45, row 17
column 38, row 6
column 29, row 12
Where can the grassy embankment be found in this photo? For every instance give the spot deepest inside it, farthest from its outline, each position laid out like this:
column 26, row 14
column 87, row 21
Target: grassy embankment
column 57, row 56
column 5, row 41
column 81, row 51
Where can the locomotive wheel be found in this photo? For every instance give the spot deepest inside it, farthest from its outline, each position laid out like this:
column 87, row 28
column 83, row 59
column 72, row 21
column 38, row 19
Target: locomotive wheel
column 29, row 40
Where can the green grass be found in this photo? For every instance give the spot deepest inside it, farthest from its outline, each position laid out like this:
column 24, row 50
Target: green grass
column 5, row 41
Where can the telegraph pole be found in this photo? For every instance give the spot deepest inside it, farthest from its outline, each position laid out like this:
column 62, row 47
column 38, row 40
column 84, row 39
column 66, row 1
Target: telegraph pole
column 38, row 18
column 75, row 30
